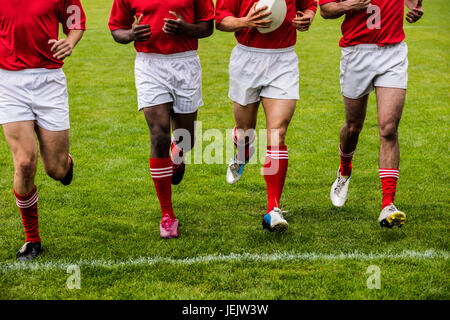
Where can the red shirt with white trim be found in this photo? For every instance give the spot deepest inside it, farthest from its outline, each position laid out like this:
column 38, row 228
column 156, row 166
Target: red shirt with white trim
column 27, row 26
column 283, row 37
column 124, row 13
column 381, row 23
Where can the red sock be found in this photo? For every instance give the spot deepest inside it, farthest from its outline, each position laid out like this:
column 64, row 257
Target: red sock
column 389, row 177
column 161, row 170
column 275, row 168
column 246, row 146
column 346, row 162
column 29, row 210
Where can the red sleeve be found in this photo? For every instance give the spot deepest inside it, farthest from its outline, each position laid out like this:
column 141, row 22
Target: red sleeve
column 122, row 16
column 322, row 2
column 226, row 8
column 204, row 10
column 306, row 5
column 71, row 15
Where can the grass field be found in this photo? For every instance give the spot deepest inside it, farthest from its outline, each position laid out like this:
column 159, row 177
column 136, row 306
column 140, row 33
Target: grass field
column 107, row 220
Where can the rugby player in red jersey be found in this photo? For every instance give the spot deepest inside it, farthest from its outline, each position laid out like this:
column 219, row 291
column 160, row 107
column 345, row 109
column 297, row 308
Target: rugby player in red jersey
column 374, row 57
column 34, row 98
column 168, row 81
column 264, row 69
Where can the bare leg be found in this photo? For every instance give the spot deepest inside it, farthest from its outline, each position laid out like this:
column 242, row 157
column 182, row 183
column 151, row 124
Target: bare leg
column 54, row 150
column 23, row 145
column 355, row 114
column 185, row 122
column 158, row 120
column 245, row 118
column 278, row 116
column 390, row 106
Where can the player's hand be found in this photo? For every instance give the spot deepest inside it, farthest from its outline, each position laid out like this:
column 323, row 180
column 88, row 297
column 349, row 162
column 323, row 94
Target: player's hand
column 176, row 26
column 415, row 14
column 358, row 4
column 303, row 20
column 61, row 48
column 255, row 18
column 140, row 32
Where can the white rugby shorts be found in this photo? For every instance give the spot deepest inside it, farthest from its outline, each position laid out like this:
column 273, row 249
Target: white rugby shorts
column 366, row 66
column 256, row 73
column 38, row 95
column 169, row 78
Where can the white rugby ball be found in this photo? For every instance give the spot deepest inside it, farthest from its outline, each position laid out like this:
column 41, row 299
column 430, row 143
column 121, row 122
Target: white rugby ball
column 278, row 9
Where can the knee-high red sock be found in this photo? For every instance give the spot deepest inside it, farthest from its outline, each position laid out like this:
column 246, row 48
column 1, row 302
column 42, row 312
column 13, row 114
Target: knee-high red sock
column 243, row 149
column 161, row 170
column 346, row 162
column 388, row 177
column 275, row 168
column 29, row 210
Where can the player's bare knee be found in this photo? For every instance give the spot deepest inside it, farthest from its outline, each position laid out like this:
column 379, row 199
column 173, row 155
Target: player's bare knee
column 388, row 132
column 160, row 144
column 26, row 166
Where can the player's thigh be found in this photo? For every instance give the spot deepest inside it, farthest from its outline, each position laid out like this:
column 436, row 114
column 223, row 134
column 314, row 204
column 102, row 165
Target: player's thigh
column 21, row 139
column 355, row 109
column 390, row 102
column 278, row 112
column 53, row 147
column 246, row 116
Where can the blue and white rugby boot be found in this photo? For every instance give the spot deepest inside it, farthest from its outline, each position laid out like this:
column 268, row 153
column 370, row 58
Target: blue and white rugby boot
column 274, row 221
column 236, row 167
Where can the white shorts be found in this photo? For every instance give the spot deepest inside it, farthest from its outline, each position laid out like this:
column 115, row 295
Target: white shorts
column 38, row 95
column 169, row 78
column 366, row 66
column 270, row 73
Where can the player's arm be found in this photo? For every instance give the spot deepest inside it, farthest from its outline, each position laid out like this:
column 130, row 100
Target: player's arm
column 254, row 19
column 415, row 10
column 179, row 26
column 334, row 10
column 63, row 48
column 138, row 33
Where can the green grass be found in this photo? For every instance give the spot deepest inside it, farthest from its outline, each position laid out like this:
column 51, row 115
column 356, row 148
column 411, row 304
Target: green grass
column 111, row 212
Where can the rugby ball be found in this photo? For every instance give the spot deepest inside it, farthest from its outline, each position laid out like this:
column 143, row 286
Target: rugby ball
column 278, row 9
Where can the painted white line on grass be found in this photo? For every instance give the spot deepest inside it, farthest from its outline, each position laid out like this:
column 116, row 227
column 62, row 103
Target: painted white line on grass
column 245, row 257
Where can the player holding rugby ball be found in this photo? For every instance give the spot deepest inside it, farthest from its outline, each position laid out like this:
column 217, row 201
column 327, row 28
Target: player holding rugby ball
column 264, row 70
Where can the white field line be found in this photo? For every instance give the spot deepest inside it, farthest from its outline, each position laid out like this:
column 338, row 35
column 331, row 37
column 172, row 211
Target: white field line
column 246, row 257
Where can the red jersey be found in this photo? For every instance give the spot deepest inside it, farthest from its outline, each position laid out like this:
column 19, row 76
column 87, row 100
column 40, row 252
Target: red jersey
column 381, row 23
column 27, row 26
column 283, row 37
column 124, row 12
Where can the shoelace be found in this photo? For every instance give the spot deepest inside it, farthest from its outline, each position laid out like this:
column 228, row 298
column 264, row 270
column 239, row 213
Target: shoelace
column 340, row 184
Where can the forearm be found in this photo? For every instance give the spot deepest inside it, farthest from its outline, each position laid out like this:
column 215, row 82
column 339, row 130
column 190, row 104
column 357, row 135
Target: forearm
column 123, row 36
column 334, row 10
column 74, row 36
column 200, row 30
column 231, row 24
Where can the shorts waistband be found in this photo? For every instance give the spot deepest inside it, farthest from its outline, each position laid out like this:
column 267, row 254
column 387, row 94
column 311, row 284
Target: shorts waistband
column 186, row 54
column 373, row 46
column 261, row 50
column 32, row 71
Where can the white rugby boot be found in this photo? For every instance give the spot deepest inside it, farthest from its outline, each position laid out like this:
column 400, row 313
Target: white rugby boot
column 339, row 190
column 274, row 221
column 390, row 216
column 236, row 167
